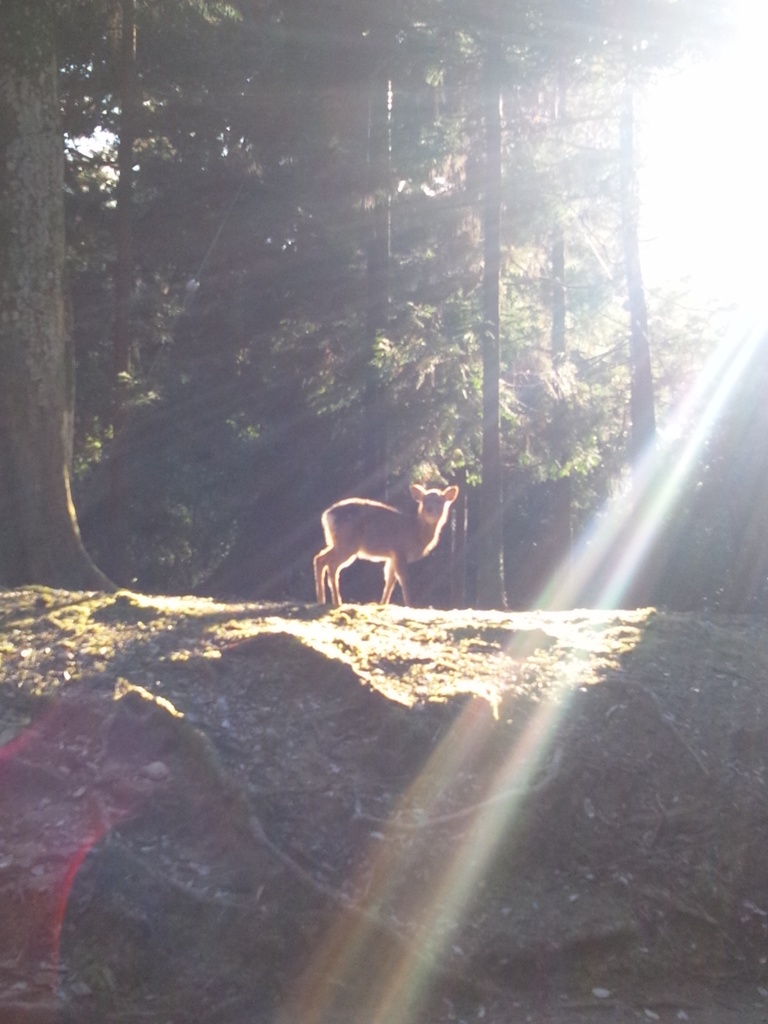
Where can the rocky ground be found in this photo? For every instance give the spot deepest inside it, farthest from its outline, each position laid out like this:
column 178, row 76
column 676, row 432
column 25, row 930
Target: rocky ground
column 250, row 813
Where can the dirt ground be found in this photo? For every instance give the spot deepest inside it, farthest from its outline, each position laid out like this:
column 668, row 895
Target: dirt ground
column 250, row 813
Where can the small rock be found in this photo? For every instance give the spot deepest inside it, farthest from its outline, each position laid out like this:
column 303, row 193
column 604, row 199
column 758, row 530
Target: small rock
column 158, row 771
column 80, row 988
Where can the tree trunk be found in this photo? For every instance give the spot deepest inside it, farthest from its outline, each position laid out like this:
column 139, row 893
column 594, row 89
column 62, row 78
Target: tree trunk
column 561, row 535
column 490, row 572
column 125, row 52
column 458, row 583
column 643, row 420
column 39, row 540
column 374, row 434
column 558, row 290
column 558, row 234
column 123, row 275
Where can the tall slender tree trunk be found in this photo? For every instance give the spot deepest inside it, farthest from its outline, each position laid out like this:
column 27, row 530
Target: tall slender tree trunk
column 374, row 435
column 561, row 537
column 557, row 266
column 558, row 233
column 643, row 419
column 39, row 538
column 490, row 571
column 123, row 273
column 459, row 546
column 123, row 288
column 641, row 398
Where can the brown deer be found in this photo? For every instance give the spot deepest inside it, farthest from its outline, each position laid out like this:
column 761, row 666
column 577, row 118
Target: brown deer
column 359, row 528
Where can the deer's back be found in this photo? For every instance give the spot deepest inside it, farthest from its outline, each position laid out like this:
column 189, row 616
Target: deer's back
column 371, row 528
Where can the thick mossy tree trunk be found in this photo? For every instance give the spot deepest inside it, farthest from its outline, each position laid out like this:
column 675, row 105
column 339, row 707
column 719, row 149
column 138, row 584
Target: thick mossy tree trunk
column 39, row 538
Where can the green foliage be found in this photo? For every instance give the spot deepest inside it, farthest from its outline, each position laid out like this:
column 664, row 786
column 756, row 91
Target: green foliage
column 247, row 401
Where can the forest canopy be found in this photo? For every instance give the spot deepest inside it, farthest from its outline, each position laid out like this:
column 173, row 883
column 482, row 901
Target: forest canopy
column 331, row 248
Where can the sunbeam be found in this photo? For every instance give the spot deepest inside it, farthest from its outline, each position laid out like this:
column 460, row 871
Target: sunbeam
column 614, row 548
column 383, row 955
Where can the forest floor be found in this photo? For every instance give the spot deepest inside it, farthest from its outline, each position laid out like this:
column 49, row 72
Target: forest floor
column 246, row 813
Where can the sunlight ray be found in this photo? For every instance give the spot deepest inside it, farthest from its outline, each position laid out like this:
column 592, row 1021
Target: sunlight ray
column 432, row 885
column 625, row 530
column 451, row 894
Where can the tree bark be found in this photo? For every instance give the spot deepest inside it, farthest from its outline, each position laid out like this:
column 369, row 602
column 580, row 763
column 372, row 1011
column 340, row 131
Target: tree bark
column 558, row 234
column 458, row 582
column 117, row 562
column 561, row 490
column 643, row 419
column 558, row 290
column 123, row 278
column 490, row 571
column 374, row 434
column 39, row 540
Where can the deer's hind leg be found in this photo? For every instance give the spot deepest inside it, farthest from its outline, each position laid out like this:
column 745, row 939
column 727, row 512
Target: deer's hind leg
column 320, row 564
column 329, row 562
column 327, row 565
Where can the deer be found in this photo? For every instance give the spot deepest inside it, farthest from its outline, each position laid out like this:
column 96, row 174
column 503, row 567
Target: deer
column 361, row 528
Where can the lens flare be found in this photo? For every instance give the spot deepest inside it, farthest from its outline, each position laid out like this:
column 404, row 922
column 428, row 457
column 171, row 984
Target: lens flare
column 383, row 955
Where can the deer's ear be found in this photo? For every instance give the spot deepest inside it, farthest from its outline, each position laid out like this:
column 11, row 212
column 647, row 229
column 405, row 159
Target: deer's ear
column 418, row 492
column 451, row 493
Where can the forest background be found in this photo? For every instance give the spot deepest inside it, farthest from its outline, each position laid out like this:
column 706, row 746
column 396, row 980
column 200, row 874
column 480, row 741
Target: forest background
column 326, row 248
